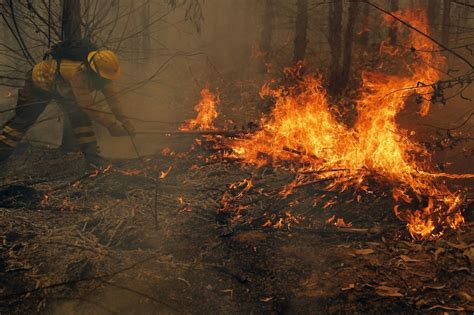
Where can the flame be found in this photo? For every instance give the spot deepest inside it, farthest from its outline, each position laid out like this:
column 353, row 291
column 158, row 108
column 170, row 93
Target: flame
column 339, row 222
column 206, row 109
column 306, row 133
column 164, row 174
column 45, row 200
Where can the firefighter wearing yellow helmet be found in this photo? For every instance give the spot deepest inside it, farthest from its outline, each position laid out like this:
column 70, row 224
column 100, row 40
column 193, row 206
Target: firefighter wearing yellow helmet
column 71, row 83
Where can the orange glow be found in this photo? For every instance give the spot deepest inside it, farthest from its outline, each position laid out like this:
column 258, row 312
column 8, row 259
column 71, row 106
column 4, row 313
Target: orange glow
column 339, row 222
column 307, row 134
column 45, row 200
column 206, row 109
column 164, row 174
column 130, row 172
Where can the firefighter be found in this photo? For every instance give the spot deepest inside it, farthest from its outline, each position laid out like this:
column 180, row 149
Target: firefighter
column 71, row 83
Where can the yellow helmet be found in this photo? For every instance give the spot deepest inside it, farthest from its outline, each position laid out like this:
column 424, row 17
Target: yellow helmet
column 105, row 63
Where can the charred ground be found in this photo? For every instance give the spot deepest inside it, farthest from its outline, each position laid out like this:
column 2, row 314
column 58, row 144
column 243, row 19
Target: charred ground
column 94, row 247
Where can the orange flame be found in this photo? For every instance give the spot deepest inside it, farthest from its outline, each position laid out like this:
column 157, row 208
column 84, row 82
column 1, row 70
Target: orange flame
column 206, row 109
column 304, row 129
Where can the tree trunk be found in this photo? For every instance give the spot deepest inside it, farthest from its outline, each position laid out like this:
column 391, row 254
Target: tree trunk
column 70, row 30
column 392, row 32
column 364, row 23
column 348, row 40
column 433, row 17
column 146, row 39
column 301, row 40
column 71, row 20
column 266, row 33
column 446, row 22
column 335, row 43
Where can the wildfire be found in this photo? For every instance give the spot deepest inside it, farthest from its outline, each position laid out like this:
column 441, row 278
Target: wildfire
column 206, row 109
column 306, row 133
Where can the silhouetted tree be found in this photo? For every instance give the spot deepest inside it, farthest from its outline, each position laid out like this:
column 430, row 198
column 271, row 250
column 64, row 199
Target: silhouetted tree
column 301, row 40
column 71, row 29
column 348, row 40
column 335, row 43
column 393, row 30
column 71, row 20
column 446, row 22
column 267, row 33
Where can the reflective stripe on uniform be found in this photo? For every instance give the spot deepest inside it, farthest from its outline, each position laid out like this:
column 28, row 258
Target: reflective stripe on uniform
column 12, row 132
column 83, row 129
column 83, row 140
column 9, row 142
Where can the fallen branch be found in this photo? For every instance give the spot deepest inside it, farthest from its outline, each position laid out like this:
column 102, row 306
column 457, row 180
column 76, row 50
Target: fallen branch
column 226, row 133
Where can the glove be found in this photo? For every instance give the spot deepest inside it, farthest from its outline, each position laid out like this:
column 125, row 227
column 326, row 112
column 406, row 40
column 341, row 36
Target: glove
column 129, row 127
column 117, row 130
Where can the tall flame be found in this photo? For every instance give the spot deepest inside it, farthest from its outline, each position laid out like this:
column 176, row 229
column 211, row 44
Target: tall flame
column 306, row 132
column 206, row 109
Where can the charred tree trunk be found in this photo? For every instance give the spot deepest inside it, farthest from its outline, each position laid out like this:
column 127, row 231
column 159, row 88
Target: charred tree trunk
column 71, row 20
column 446, row 22
column 335, row 43
column 348, row 41
column 301, row 40
column 392, row 32
column 70, row 30
column 266, row 33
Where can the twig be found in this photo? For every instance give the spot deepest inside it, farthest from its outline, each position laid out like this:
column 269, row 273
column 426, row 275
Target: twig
column 64, row 283
column 228, row 133
column 155, row 216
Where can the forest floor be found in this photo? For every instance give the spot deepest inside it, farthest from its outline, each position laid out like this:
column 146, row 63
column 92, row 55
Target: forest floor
column 125, row 241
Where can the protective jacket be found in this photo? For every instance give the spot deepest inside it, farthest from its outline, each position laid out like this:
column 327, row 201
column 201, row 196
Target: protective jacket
column 73, row 82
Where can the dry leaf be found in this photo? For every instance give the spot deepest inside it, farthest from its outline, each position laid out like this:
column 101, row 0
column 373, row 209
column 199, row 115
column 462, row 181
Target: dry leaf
column 406, row 258
column 365, row 251
column 469, row 253
column 388, row 291
column 465, row 296
column 349, row 287
column 435, row 287
column 437, row 252
column 448, row 308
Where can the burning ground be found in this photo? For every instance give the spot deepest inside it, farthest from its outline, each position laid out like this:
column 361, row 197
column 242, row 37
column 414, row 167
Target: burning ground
column 94, row 246
column 313, row 209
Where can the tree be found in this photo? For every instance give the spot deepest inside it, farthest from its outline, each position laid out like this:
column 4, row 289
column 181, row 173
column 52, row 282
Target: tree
column 71, row 20
column 335, row 43
column 364, row 26
column 301, row 40
column 146, row 37
column 348, row 40
column 393, row 30
column 267, row 33
column 433, row 15
column 70, row 30
column 446, row 22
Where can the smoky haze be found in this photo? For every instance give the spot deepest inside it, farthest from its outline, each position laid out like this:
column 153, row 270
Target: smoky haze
column 169, row 51
column 217, row 44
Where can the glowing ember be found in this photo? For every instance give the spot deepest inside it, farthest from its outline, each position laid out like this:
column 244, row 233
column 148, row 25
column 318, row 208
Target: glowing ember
column 164, row 174
column 339, row 222
column 45, row 200
column 305, row 133
column 206, row 109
